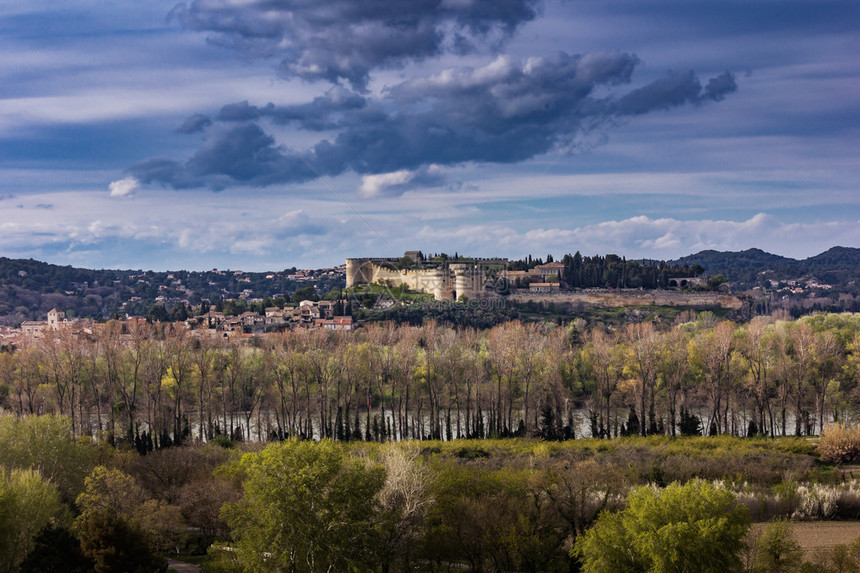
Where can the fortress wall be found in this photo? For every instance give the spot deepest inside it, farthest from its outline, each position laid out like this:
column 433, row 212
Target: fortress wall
column 430, row 281
column 458, row 279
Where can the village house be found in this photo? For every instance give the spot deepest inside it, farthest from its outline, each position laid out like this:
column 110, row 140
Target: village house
column 543, row 288
column 213, row 318
column 56, row 320
column 274, row 316
column 252, row 319
column 548, row 270
column 33, row 328
column 343, row 323
column 308, row 312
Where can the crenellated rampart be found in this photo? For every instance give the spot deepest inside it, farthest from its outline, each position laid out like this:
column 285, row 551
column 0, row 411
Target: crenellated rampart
column 443, row 282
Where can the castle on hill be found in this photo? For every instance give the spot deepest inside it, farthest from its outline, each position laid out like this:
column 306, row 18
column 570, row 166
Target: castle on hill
column 443, row 277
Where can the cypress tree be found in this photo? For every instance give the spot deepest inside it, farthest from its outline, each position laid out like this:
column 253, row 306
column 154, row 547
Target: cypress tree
column 448, row 434
column 339, row 424
column 633, row 427
column 356, row 432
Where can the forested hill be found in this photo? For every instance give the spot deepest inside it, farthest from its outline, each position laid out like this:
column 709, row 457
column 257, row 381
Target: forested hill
column 29, row 288
column 838, row 266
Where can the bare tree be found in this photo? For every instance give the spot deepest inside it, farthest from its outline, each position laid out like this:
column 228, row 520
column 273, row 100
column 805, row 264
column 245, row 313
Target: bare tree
column 674, row 367
column 643, row 343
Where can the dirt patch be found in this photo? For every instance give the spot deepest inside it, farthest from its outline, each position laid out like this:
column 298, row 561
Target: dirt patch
column 848, row 471
column 814, row 535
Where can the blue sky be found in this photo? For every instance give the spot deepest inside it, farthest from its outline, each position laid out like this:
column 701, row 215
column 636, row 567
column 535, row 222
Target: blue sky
column 265, row 134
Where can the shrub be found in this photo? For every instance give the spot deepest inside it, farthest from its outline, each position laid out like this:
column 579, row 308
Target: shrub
column 848, row 502
column 840, row 444
column 816, row 502
column 472, row 453
column 787, row 497
column 776, row 550
column 842, row 558
column 56, row 548
column 697, row 526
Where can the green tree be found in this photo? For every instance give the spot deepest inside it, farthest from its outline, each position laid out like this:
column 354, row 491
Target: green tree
column 56, row 550
column 497, row 520
column 114, row 492
column 692, row 527
column 115, row 545
column 157, row 313
column 110, row 490
column 27, row 504
column 46, row 444
column 178, row 313
column 305, row 293
column 307, row 506
column 776, row 551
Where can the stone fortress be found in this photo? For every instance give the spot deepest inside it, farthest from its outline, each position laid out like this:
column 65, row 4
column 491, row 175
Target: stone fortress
column 445, row 280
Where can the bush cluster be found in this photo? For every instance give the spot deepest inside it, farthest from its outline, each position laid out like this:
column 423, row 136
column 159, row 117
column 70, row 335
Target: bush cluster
column 840, row 444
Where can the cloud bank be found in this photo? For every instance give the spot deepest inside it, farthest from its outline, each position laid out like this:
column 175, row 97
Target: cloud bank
column 261, row 236
column 508, row 111
column 344, row 40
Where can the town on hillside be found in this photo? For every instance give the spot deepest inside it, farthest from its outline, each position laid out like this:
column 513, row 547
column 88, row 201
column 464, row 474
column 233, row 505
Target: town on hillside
column 38, row 297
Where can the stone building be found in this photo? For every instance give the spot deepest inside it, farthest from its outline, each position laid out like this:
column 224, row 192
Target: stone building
column 444, row 280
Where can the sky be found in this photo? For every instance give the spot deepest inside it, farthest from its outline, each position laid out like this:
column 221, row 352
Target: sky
column 266, row 134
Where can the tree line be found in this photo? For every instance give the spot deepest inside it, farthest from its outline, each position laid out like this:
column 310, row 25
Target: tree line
column 156, row 385
column 613, row 271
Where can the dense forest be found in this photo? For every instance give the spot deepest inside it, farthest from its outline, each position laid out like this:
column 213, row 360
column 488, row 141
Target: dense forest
column 159, row 384
column 428, row 447
column 613, row 271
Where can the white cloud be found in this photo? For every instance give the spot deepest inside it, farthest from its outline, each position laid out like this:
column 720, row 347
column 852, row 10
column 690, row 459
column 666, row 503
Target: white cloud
column 123, row 187
column 271, row 231
column 644, row 237
column 376, row 185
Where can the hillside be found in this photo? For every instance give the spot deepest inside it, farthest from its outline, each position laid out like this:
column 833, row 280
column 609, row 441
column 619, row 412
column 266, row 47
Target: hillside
column 838, row 266
column 29, row 289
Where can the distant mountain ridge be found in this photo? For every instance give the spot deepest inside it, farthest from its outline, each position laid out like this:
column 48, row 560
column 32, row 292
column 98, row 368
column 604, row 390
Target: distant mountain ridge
column 837, row 265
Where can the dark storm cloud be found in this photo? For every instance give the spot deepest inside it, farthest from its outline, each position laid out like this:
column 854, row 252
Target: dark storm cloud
column 229, row 155
column 196, row 123
column 322, row 113
column 336, row 40
column 674, row 90
column 720, row 86
column 506, row 112
column 241, row 111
